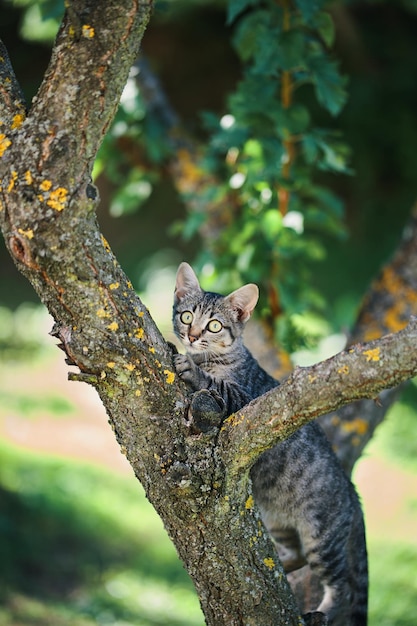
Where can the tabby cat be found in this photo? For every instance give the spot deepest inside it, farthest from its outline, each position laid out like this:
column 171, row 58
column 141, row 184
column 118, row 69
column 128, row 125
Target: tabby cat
column 306, row 500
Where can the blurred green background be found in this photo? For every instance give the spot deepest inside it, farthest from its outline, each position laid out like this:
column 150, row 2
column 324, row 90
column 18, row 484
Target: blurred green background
column 79, row 543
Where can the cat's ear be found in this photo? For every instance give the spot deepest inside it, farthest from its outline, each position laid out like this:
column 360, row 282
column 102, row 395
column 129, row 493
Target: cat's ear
column 186, row 281
column 244, row 300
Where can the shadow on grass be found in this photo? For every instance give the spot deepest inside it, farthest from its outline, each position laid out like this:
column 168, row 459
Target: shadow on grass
column 84, row 539
column 45, row 548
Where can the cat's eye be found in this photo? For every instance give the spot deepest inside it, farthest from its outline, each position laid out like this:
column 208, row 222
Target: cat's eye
column 214, row 326
column 186, row 317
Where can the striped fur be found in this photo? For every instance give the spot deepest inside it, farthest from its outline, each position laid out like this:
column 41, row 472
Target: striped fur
column 307, row 502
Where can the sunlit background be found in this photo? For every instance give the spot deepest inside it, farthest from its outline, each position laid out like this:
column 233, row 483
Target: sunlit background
column 79, row 543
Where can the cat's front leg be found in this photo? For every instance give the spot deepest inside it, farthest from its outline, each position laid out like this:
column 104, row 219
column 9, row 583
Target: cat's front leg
column 190, row 373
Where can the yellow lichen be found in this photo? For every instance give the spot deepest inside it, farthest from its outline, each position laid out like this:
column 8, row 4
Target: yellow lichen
column 191, row 173
column 12, row 181
column 138, row 392
column 18, row 120
column 269, row 562
column 58, row 198
column 4, row 143
column 395, row 317
column 45, row 185
column 234, row 420
column 130, row 367
column 140, row 314
column 101, row 313
column 26, row 233
column 113, row 326
column 170, row 376
column 249, row 503
column 28, row 177
column 105, row 243
column 152, row 349
column 343, row 370
column 111, row 364
column 88, row 31
column 113, row 286
column 372, row 354
column 139, row 332
column 372, row 332
column 358, row 426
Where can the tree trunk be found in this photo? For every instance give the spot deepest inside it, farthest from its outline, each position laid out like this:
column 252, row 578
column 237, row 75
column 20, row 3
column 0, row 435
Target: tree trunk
column 193, row 465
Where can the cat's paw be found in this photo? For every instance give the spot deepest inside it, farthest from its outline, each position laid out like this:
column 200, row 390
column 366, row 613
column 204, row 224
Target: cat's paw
column 187, row 370
column 207, row 410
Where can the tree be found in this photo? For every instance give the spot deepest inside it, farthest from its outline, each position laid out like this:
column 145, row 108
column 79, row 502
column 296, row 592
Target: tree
column 194, row 467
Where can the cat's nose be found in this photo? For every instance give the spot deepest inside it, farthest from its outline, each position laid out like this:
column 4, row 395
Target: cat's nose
column 192, row 338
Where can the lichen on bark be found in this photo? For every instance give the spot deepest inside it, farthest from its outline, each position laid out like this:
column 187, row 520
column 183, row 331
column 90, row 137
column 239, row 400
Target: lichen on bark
column 194, row 468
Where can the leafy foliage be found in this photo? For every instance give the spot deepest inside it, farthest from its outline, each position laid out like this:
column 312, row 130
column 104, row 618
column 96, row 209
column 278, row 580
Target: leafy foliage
column 274, row 148
column 267, row 152
column 264, row 153
column 41, row 18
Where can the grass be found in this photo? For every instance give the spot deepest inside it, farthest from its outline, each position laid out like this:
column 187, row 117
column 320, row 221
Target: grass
column 82, row 546
column 396, row 439
column 393, row 584
column 28, row 405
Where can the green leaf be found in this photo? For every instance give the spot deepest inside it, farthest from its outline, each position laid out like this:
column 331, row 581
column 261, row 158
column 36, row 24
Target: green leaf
column 131, row 196
column 328, row 82
column 271, row 224
column 236, row 7
column 252, row 29
column 298, row 119
column 254, row 95
column 309, row 8
column 291, row 49
column 192, row 224
column 326, row 150
column 253, row 149
column 324, row 24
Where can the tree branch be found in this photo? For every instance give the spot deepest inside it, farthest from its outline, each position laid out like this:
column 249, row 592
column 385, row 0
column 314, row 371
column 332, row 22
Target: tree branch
column 48, row 220
column 362, row 371
column 388, row 305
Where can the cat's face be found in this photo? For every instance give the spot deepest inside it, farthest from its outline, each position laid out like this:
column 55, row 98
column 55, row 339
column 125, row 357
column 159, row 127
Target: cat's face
column 207, row 322
column 203, row 324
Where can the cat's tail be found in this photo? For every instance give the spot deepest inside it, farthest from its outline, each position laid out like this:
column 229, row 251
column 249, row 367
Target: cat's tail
column 359, row 569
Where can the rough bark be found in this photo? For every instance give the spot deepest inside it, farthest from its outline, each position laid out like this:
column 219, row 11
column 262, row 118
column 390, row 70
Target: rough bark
column 48, row 221
column 387, row 306
column 196, row 477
